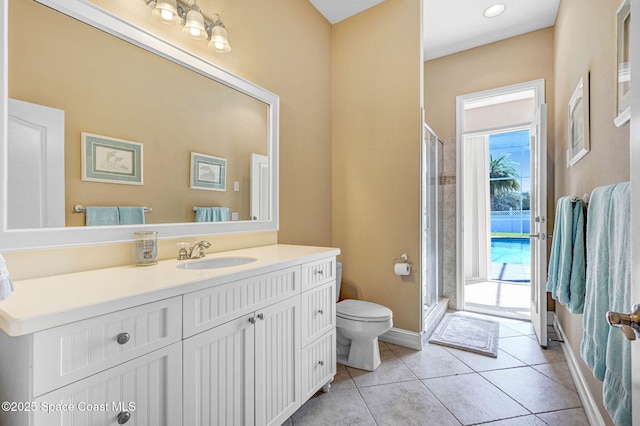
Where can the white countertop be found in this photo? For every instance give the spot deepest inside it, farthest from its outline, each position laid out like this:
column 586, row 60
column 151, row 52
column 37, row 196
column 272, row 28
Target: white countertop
column 46, row 302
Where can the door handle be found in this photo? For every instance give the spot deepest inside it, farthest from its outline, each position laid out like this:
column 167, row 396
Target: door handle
column 542, row 236
column 629, row 324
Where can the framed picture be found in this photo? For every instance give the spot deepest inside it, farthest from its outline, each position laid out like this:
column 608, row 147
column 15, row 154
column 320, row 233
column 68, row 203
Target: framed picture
column 623, row 101
column 208, row 172
column 579, row 122
column 110, row 160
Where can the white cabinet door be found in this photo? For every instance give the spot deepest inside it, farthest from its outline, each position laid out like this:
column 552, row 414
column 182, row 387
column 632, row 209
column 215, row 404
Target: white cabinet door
column 219, row 375
column 277, row 383
column 144, row 391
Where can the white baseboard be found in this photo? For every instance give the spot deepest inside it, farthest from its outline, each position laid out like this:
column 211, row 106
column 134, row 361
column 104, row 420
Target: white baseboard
column 588, row 402
column 411, row 339
column 400, row 337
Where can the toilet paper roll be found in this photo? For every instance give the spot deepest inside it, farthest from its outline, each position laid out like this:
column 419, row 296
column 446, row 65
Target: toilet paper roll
column 402, row 268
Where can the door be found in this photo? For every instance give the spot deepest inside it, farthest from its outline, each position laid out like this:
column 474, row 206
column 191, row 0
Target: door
column 219, row 375
column 259, row 187
column 35, row 192
column 278, row 344
column 539, row 224
column 145, row 391
column 635, row 208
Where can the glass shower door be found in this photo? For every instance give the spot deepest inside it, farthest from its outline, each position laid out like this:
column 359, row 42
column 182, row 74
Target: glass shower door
column 430, row 282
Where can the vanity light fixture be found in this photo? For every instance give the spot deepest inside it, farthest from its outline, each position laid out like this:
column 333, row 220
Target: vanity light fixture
column 195, row 24
column 166, row 11
column 219, row 41
column 494, row 10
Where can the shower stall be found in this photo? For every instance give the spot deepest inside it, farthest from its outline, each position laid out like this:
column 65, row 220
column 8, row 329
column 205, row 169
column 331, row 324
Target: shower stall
column 433, row 305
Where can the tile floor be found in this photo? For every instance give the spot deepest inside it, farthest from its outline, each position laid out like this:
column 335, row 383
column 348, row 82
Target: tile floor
column 525, row 385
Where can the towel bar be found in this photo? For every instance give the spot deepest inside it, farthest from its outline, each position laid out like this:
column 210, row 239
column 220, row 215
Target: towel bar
column 80, row 209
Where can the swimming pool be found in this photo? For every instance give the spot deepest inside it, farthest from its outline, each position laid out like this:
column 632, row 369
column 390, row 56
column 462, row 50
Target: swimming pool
column 511, row 250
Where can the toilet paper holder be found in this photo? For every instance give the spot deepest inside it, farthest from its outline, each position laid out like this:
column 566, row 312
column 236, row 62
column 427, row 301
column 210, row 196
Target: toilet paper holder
column 401, row 265
column 404, row 258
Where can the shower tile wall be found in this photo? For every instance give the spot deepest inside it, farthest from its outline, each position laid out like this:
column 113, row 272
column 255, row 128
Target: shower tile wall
column 448, row 234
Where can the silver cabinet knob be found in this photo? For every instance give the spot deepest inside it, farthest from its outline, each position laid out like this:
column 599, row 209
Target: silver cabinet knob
column 252, row 320
column 123, row 417
column 319, row 272
column 320, row 311
column 123, row 338
column 260, row 316
column 321, row 363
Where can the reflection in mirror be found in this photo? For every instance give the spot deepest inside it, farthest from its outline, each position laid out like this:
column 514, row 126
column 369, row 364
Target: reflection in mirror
column 165, row 130
column 146, row 115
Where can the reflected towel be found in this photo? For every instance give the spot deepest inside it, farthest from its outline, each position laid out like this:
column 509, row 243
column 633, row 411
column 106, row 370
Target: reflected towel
column 101, row 216
column 617, row 379
column 566, row 280
column 212, row 214
column 133, row 215
column 6, row 285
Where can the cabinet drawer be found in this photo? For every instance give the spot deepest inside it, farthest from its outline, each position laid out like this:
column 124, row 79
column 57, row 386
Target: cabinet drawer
column 318, row 272
column 216, row 305
column 71, row 352
column 149, row 388
column 318, row 364
column 318, row 311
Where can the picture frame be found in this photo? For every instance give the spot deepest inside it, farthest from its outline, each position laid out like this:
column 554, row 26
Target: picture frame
column 111, row 160
column 208, row 172
column 579, row 144
column 623, row 78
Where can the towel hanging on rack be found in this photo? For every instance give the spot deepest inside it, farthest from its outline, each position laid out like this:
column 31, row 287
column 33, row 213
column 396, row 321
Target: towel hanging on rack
column 566, row 279
column 211, row 214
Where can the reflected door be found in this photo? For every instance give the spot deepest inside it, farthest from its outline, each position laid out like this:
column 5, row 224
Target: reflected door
column 259, row 187
column 36, row 166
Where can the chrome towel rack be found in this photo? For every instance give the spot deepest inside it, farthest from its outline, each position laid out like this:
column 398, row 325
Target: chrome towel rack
column 78, row 208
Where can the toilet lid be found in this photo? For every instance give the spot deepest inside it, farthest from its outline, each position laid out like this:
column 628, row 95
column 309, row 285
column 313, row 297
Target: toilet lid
column 363, row 311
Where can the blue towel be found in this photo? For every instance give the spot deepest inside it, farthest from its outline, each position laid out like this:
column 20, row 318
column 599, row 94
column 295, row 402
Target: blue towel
column 617, row 379
column 212, row 214
column 101, row 216
column 593, row 347
column 566, row 280
column 133, row 215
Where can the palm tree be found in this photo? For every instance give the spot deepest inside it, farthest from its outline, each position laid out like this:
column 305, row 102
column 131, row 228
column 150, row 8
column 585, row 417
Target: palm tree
column 503, row 176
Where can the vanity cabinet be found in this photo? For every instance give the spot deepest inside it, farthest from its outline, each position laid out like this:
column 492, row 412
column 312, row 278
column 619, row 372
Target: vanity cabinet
column 124, row 367
column 318, row 326
column 143, row 392
column 245, row 371
column 247, row 348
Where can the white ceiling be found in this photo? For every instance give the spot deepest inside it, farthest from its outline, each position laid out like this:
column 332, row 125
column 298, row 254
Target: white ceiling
column 452, row 26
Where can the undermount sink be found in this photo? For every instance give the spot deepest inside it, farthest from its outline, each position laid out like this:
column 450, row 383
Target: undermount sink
column 218, row 262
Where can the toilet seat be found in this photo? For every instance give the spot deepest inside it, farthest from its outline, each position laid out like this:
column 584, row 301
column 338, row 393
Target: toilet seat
column 360, row 310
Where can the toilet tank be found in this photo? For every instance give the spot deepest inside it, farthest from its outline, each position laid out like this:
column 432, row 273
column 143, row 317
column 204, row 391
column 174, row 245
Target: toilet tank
column 338, row 279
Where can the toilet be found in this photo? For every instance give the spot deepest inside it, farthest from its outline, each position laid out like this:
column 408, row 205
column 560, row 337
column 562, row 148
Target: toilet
column 358, row 325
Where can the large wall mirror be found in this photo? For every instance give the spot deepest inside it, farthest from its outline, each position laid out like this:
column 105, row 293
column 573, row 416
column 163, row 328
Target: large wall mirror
column 101, row 113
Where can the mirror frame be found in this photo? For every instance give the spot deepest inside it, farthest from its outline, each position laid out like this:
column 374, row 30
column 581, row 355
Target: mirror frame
column 93, row 15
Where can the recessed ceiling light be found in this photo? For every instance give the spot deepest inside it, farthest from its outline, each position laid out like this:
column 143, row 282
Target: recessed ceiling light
column 495, row 10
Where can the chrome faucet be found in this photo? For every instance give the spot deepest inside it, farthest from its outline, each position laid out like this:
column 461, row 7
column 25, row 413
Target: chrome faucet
column 192, row 253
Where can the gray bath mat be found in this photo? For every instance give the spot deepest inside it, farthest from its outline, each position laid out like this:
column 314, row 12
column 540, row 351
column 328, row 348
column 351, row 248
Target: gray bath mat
column 467, row 333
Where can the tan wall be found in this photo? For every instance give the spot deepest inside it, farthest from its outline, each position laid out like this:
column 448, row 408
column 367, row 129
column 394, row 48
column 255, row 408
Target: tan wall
column 285, row 47
column 376, row 155
column 585, row 39
column 515, row 60
column 519, row 59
